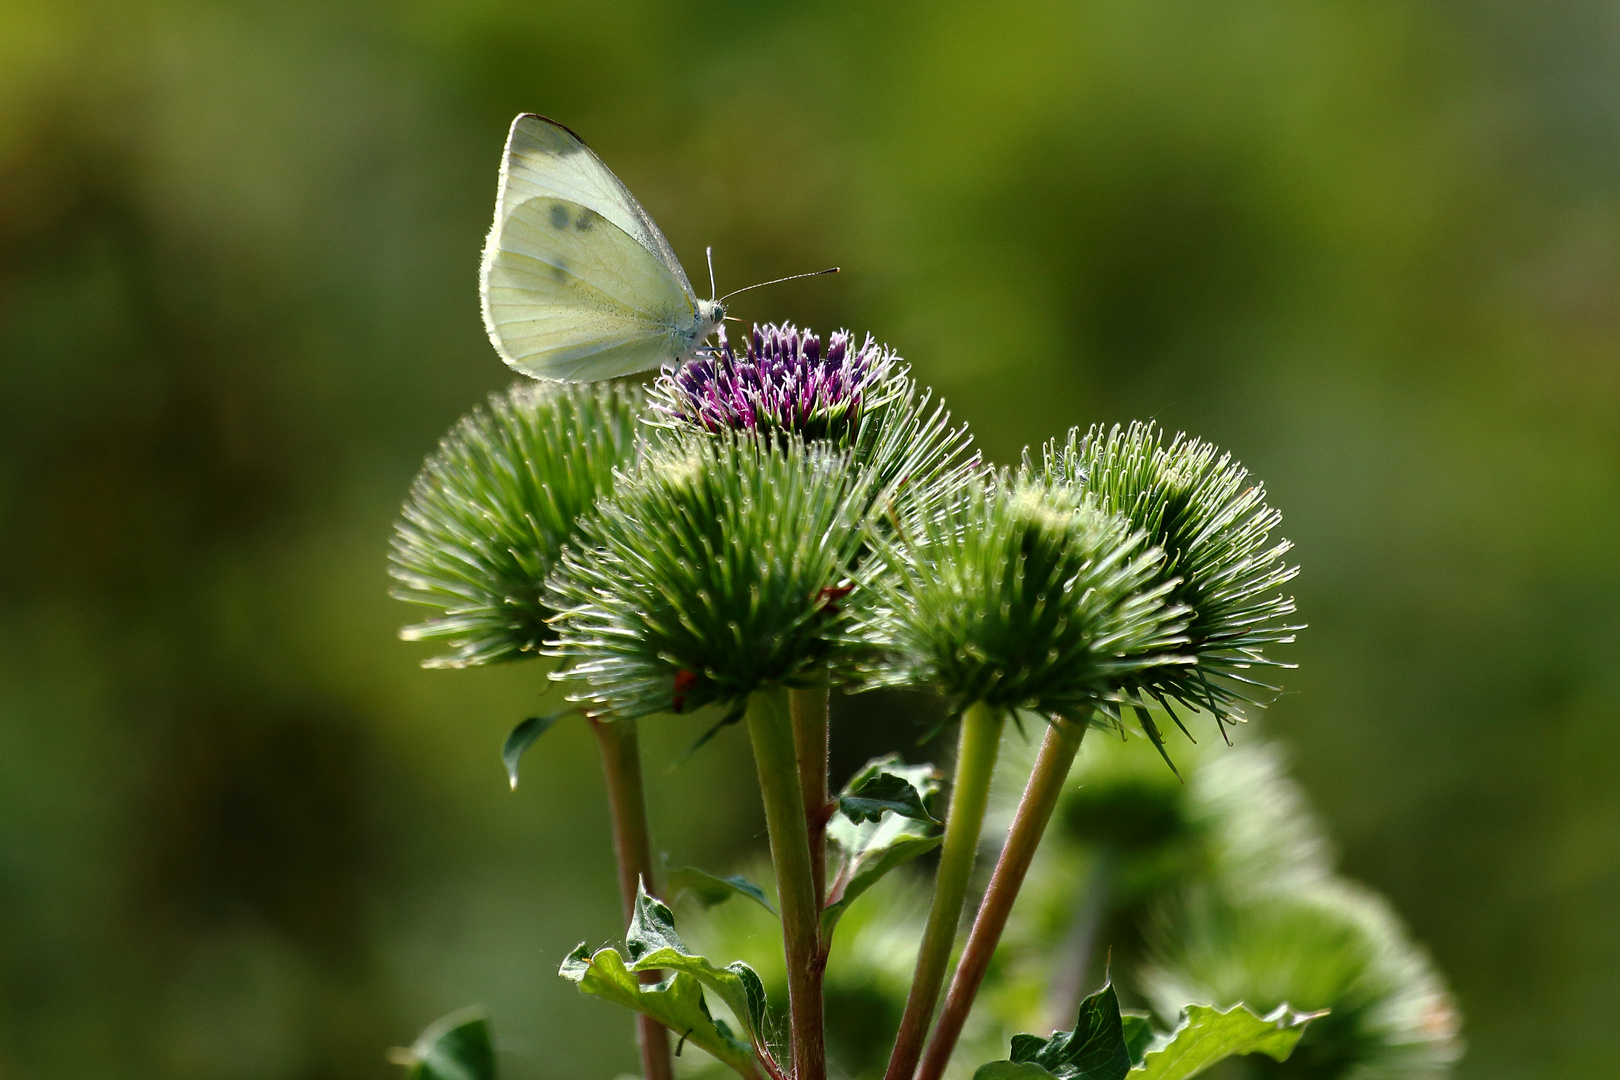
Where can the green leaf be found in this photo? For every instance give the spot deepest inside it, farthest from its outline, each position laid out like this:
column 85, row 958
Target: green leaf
column 523, row 737
column 711, row 889
column 1011, row 1070
column 677, row 1002
column 1094, row 1050
column 866, row 850
column 881, row 789
column 1206, row 1035
column 455, row 1047
column 736, row 984
column 652, row 927
column 1139, row 1034
column 1097, row 1048
column 654, row 945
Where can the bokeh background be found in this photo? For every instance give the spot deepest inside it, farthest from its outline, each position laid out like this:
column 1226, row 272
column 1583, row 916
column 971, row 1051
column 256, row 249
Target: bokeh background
column 1371, row 247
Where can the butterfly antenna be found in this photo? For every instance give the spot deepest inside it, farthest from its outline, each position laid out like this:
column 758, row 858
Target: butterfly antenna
column 709, row 251
column 778, row 281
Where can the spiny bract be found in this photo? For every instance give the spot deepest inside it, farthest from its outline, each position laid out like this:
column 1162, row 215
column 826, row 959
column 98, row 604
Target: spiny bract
column 490, row 512
column 1018, row 594
column 714, row 571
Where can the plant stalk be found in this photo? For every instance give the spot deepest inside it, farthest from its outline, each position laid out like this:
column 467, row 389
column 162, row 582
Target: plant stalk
column 770, row 729
column 808, row 706
column 1035, row 809
column 978, row 745
column 1072, row 976
column 632, row 852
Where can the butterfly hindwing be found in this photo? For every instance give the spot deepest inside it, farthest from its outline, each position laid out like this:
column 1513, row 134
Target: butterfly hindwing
column 578, row 283
column 570, row 295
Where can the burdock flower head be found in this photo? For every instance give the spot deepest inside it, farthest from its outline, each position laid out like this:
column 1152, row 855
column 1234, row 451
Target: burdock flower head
column 1019, row 594
column 1213, row 523
column 786, row 386
column 489, row 514
column 715, row 570
column 1389, row 1014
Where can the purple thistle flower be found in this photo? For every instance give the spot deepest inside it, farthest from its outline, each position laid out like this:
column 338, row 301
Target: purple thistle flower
column 784, row 382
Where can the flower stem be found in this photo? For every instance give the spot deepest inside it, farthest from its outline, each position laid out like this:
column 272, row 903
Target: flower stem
column 975, row 764
column 808, row 706
column 1035, row 808
column 770, row 728
column 632, row 851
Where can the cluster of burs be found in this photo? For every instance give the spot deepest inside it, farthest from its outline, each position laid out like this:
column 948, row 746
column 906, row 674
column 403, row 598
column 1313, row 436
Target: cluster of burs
column 773, row 518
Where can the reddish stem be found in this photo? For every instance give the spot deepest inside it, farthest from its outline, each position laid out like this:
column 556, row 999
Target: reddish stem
column 1035, row 808
column 632, row 851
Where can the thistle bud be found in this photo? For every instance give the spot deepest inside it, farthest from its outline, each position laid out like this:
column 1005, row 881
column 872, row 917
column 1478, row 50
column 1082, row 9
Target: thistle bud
column 707, row 576
column 490, row 512
column 1221, row 563
column 1020, row 595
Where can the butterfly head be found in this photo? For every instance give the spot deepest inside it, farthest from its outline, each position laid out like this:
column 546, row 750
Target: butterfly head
column 710, row 313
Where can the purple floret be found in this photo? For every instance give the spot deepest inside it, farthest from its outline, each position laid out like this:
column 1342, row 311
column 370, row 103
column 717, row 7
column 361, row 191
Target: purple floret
column 783, row 381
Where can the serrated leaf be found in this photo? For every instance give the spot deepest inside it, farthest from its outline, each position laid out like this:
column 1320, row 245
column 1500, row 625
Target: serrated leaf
column 868, row 798
column 1139, row 1034
column 654, row 945
column 1206, row 1035
column 1011, row 1070
column 678, row 1001
column 887, row 780
column 1094, row 1050
column 864, row 851
column 736, row 984
column 454, row 1047
column 711, row 889
column 523, row 737
column 652, row 927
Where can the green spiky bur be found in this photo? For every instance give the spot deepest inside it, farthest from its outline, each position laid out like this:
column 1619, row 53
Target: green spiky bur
column 1330, row 945
column 1237, row 817
column 710, row 574
column 1016, row 594
column 492, row 509
column 1215, row 528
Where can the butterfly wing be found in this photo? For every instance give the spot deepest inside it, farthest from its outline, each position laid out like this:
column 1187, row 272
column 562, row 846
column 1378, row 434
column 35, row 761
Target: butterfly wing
column 577, row 283
column 570, row 295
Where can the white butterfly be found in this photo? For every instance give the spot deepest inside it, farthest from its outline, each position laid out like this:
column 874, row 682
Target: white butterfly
column 577, row 282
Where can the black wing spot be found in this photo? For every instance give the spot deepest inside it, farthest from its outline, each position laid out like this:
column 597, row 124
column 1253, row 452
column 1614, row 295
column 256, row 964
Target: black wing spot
column 586, row 219
column 559, row 216
column 559, row 270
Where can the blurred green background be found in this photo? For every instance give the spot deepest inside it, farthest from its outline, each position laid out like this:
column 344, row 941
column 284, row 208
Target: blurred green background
column 1373, row 248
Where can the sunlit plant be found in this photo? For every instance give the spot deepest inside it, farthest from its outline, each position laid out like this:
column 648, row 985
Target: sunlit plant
column 767, row 523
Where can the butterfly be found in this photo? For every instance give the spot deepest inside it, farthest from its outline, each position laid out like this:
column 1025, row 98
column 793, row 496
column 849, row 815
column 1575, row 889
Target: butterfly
column 577, row 282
